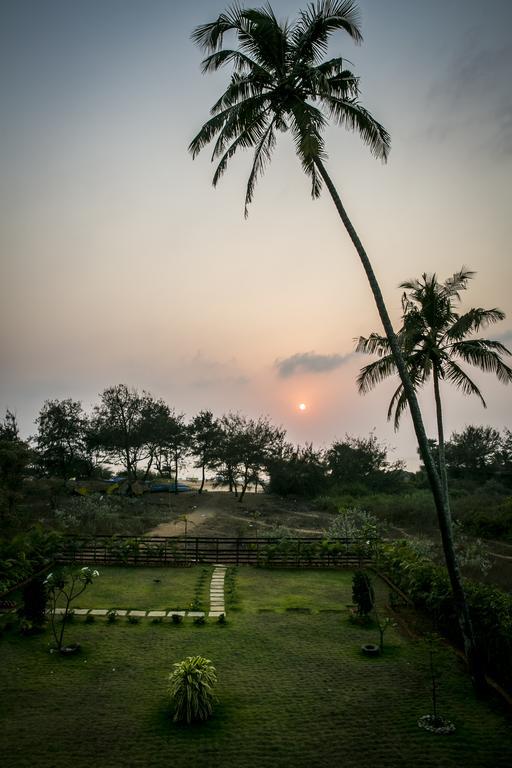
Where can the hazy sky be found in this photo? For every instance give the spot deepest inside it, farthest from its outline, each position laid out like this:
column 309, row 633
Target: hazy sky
column 120, row 263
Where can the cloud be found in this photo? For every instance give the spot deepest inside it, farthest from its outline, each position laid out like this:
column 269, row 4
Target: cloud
column 473, row 95
column 308, row 362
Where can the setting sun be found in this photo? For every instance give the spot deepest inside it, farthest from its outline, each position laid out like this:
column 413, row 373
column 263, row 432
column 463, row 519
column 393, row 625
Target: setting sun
column 302, row 406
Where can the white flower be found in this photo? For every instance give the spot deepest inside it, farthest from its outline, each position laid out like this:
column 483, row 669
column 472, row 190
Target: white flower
column 85, row 568
column 95, row 573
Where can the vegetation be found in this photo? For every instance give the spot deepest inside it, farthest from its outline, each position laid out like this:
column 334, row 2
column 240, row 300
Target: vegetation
column 362, row 593
column 64, row 586
column 280, row 702
column 191, row 687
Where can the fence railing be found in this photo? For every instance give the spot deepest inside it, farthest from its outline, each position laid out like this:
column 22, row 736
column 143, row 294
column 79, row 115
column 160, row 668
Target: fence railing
column 188, row 550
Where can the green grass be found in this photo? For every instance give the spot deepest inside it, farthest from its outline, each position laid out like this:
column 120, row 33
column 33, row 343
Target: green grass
column 294, row 691
column 136, row 588
column 280, row 590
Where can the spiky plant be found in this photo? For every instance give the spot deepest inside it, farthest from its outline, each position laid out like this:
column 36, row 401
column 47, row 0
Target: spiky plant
column 191, row 687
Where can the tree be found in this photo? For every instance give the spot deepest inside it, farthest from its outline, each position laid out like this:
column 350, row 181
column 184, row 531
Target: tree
column 127, row 427
column 361, row 460
column 475, row 452
column 205, row 434
column 434, row 339
column 15, row 456
column 246, row 449
column 298, row 471
column 279, row 84
column 62, row 439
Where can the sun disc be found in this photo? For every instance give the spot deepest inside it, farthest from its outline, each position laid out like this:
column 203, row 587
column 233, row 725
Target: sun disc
column 302, row 406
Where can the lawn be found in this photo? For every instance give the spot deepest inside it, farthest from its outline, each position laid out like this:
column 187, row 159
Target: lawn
column 146, row 588
column 293, row 690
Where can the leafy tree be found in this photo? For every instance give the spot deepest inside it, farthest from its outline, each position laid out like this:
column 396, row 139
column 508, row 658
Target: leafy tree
column 177, row 443
column 15, row 456
column 62, row 439
column 279, row 84
column 127, row 427
column 299, row 471
column 205, row 435
column 474, row 452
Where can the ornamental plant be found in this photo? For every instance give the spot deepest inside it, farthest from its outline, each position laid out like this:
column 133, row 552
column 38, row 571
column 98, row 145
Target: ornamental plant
column 64, row 586
column 191, row 687
column 362, row 593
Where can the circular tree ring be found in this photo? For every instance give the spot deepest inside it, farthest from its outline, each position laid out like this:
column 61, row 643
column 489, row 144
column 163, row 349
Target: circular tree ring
column 370, row 649
column 437, row 725
column 68, row 650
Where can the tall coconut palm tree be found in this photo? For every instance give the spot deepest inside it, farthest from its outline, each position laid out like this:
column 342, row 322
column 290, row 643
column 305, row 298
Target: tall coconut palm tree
column 280, row 83
column 434, row 339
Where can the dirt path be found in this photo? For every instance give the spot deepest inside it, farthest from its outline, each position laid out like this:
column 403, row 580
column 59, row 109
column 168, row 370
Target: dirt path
column 177, row 527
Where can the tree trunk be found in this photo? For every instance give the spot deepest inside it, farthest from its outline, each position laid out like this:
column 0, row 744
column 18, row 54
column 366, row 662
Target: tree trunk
column 176, row 475
column 440, row 438
column 443, row 512
column 202, row 479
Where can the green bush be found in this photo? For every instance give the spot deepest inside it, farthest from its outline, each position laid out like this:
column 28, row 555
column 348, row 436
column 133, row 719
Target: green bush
column 362, row 593
column 191, row 687
column 34, row 602
column 428, row 585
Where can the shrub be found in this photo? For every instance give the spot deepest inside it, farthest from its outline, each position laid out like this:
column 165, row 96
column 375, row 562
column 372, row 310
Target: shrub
column 191, row 687
column 222, row 619
column 112, row 616
column 199, row 621
column 428, row 585
column 176, row 618
column 133, row 620
column 34, row 602
column 362, row 593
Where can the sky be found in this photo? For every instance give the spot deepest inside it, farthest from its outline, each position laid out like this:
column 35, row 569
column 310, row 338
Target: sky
column 119, row 262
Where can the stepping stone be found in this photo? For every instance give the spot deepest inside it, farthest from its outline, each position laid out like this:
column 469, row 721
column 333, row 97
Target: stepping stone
column 137, row 613
column 59, row 611
column 121, row 613
column 81, row 611
column 176, row 613
column 156, row 614
column 98, row 612
column 193, row 614
column 215, row 614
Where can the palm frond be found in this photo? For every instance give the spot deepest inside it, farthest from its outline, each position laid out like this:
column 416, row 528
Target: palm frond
column 210, row 36
column 458, row 282
column 306, row 130
column 311, row 32
column 262, row 156
column 472, row 321
column 241, row 62
column 457, row 376
column 246, row 137
column 373, row 373
column 373, row 344
column 398, row 404
column 486, row 355
column 353, row 116
column 265, row 38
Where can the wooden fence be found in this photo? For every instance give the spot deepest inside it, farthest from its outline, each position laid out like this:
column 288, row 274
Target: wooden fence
column 188, row 550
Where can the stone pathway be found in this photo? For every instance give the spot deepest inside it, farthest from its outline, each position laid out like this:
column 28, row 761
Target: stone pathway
column 217, row 591
column 216, row 603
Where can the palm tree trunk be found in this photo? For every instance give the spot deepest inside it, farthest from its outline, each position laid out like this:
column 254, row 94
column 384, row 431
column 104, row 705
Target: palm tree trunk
column 440, row 438
column 443, row 512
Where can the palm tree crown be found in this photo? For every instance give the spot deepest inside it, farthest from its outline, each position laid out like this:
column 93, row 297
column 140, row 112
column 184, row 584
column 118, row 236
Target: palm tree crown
column 433, row 338
column 280, row 83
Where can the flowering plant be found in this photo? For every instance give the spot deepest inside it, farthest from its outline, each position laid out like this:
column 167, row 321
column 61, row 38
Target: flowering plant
column 65, row 585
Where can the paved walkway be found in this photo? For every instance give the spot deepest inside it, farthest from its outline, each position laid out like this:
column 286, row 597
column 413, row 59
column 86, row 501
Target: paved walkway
column 216, row 603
